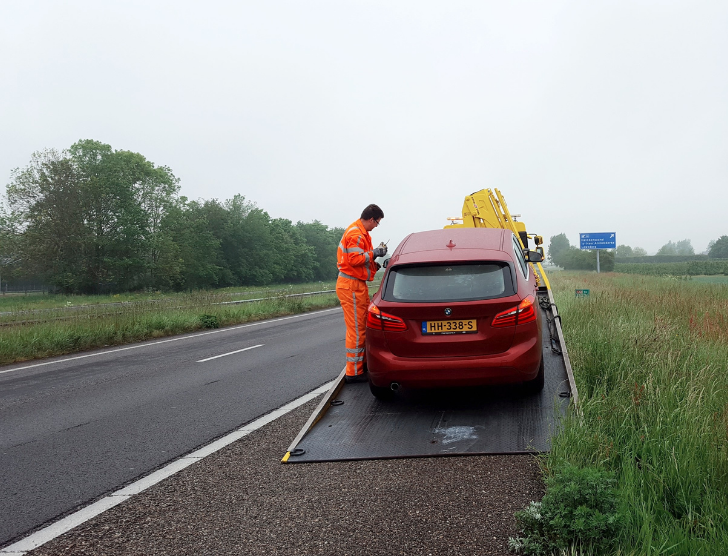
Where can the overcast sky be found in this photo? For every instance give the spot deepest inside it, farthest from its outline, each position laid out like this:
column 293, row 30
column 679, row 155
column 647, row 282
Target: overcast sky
column 588, row 116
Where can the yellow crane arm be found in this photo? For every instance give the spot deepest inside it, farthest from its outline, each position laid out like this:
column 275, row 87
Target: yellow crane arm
column 488, row 209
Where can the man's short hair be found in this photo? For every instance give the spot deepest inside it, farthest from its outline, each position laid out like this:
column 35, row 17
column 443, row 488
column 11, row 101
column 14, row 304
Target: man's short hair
column 372, row 211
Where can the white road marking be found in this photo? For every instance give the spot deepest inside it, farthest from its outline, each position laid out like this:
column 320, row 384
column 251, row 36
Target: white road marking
column 89, row 512
column 166, row 341
column 230, row 353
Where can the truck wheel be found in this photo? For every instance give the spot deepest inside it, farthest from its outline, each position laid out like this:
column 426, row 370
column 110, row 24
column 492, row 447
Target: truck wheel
column 536, row 385
column 381, row 392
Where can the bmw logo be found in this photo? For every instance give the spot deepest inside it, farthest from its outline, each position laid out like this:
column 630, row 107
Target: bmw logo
column 448, row 311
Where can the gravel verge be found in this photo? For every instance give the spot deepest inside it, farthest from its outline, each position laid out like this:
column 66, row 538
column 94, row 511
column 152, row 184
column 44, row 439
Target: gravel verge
column 242, row 500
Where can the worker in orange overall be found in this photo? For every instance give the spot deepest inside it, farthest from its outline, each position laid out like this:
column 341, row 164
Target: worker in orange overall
column 355, row 259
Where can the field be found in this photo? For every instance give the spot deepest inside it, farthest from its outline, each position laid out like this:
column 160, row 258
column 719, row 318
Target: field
column 19, row 302
column 650, row 359
column 718, row 279
column 689, row 268
column 38, row 325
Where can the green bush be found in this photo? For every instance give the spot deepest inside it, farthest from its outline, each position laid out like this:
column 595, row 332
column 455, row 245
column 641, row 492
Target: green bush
column 577, row 259
column 209, row 321
column 579, row 510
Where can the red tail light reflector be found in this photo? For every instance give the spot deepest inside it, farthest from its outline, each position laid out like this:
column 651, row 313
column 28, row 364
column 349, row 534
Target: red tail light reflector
column 521, row 314
column 506, row 318
column 378, row 320
column 526, row 310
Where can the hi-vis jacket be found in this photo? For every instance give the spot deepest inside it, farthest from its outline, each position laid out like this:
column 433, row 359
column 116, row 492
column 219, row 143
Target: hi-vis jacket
column 354, row 256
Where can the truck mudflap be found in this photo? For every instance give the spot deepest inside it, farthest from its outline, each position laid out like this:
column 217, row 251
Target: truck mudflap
column 351, row 424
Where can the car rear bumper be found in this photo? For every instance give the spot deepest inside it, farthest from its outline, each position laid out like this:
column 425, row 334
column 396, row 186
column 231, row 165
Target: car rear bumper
column 518, row 364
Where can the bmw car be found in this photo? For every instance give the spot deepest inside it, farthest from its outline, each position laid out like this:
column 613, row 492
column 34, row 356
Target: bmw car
column 456, row 307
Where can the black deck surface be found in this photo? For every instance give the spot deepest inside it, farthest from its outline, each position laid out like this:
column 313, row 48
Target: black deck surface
column 417, row 423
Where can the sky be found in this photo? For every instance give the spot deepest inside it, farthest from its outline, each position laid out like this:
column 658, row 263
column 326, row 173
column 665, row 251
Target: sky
column 598, row 116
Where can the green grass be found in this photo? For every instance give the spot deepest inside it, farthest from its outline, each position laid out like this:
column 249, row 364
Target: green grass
column 35, row 301
column 60, row 331
column 650, row 359
column 38, row 326
column 718, row 279
column 688, row 268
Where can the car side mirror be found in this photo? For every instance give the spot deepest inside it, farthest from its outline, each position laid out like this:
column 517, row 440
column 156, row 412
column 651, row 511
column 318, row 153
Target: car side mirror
column 385, row 263
column 532, row 256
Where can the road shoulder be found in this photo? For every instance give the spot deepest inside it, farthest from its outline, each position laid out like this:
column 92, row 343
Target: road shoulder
column 242, row 500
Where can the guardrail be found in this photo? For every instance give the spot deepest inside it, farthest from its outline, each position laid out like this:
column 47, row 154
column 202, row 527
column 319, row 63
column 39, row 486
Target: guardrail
column 275, row 297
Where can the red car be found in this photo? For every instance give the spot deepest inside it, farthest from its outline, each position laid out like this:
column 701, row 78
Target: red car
column 456, row 307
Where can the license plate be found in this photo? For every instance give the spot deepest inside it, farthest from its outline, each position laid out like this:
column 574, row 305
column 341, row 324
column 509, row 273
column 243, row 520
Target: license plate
column 449, row 326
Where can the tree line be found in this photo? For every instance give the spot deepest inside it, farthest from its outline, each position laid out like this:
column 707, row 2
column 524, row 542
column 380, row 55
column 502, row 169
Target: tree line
column 92, row 219
column 563, row 254
column 717, row 249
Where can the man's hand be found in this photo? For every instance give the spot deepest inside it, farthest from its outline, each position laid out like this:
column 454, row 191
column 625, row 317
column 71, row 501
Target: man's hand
column 380, row 250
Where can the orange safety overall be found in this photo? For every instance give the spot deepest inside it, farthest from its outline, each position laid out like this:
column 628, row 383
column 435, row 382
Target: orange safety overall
column 356, row 264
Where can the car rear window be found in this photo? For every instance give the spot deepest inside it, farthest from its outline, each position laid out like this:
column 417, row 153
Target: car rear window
column 449, row 282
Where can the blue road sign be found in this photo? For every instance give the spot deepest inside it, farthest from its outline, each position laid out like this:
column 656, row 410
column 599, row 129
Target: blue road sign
column 601, row 240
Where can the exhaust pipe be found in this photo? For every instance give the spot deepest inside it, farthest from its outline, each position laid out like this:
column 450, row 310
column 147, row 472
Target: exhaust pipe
column 394, row 386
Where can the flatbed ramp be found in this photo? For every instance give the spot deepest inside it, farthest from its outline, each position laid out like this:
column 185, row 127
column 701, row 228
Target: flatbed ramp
column 351, row 424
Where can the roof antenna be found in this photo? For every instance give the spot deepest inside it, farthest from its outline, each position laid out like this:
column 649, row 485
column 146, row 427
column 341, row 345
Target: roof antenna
column 450, row 245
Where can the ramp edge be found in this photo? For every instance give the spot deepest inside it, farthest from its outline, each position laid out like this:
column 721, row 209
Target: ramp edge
column 424, row 456
column 318, row 413
column 564, row 351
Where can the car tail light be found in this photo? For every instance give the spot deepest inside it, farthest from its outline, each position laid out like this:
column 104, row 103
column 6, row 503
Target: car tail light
column 382, row 321
column 524, row 312
column 527, row 310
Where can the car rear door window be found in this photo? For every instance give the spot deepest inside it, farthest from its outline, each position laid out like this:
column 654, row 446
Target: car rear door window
column 449, row 282
column 520, row 258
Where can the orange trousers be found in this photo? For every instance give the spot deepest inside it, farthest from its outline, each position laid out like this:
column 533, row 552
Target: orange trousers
column 354, row 297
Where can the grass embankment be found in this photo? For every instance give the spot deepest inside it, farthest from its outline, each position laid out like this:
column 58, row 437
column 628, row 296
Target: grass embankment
column 38, row 301
column 650, row 359
column 47, row 325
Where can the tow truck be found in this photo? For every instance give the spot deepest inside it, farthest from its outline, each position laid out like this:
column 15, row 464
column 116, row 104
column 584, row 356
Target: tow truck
column 351, row 424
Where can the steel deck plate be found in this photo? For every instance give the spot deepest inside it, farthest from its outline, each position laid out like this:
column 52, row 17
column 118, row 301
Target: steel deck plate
column 422, row 423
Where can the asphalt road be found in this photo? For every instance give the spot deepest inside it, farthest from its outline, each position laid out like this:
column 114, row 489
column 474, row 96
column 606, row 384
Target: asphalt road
column 79, row 427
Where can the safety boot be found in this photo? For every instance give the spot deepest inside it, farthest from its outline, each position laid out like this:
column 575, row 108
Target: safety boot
column 351, row 379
